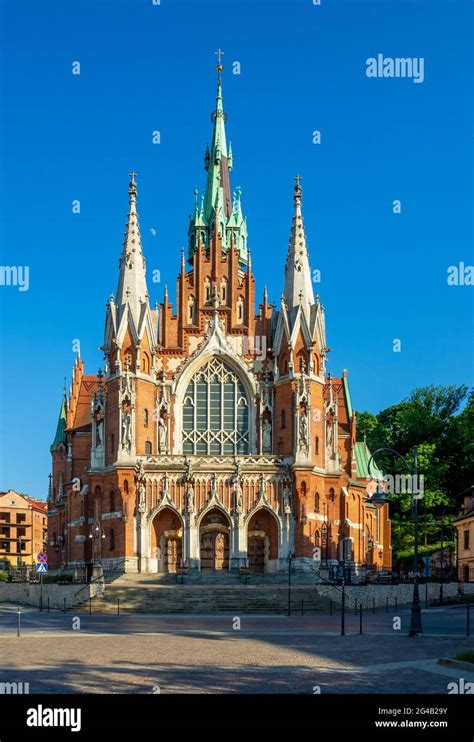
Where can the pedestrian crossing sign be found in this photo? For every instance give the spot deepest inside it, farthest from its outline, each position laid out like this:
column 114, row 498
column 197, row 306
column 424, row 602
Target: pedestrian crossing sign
column 41, row 568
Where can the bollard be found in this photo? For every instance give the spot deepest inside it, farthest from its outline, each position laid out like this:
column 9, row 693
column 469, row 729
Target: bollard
column 330, row 606
column 468, row 619
column 64, row 605
column 40, row 605
column 118, row 606
column 373, row 605
column 48, row 603
column 19, row 622
column 386, row 604
column 360, row 618
column 90, row 604
column 396, row 602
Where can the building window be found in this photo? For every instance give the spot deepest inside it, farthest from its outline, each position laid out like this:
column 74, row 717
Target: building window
column 316, row 445
column 112, row 443
column 316, row 502
column 224, row 291
column 215, row 412
column 112, row 502
column 125, row 486
column 466, row 539
column 331, row 494
column 148, row 448
column 207, row 289
column 283, row 419
column 240, row 310
column 112, row 540
column 145, row 363
column 191, row 310
column 145, row 418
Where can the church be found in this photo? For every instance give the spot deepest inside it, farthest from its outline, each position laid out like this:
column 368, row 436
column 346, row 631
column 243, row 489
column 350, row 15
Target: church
column 214, row 439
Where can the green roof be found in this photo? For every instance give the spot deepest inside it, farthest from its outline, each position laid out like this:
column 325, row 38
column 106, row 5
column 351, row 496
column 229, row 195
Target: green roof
column 362, row 455
column 345, row 383
column 60, row 436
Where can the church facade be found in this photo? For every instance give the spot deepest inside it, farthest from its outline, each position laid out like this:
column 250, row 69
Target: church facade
column 214, row 439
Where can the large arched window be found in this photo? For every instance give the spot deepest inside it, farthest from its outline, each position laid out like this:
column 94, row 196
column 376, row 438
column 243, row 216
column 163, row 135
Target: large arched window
column 215, row 412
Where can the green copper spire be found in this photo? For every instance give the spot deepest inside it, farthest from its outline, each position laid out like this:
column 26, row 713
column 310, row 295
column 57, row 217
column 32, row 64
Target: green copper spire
column 219, row 210
column 60, row 436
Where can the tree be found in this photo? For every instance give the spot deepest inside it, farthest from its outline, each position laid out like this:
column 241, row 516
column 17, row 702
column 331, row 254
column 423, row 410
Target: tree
column 439, row 420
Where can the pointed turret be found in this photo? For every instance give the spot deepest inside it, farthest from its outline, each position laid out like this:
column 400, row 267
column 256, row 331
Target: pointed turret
column 60, row 436
column 132, row 288
column 298, row 284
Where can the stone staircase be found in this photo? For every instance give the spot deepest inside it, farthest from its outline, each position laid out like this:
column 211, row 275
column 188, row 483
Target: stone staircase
column 216, row 593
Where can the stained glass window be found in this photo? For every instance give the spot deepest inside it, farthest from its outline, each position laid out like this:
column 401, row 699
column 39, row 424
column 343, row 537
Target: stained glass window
column 215, row 412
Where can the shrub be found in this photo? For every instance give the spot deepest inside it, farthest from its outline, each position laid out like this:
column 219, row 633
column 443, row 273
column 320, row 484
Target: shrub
column 3, row 576
column 467, row 656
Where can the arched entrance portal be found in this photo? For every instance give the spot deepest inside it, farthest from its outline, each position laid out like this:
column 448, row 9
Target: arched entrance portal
column 166, row 540
column 214, row 541
column 262, row 542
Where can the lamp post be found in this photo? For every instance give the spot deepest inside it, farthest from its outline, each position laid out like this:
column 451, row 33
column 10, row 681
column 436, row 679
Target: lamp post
column 379, row 499
column 96, row 534
column 290, row 557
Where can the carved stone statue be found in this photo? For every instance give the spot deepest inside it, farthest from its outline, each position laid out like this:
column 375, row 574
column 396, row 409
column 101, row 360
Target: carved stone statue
column 330, row 435
column 266, row 436
column 238, row 495
column 99, row 427
column 141, row 498
column 303, row 428
column 190, row 499
column 162, row 435
column 286, row 499
column 126, row 429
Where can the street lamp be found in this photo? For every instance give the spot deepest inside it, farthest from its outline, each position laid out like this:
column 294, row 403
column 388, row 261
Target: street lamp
column 379, row 499
column 96, row 534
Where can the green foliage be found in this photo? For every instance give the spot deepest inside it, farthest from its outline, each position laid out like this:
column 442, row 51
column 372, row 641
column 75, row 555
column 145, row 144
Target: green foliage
column 466, row 656
column 405, row 556
column 3, row 576
column 439, row 420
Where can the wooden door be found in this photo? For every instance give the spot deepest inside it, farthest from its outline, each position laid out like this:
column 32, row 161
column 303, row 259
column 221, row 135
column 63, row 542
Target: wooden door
column 256, row 554
column 207, row 551
column 220, row 558
column 214, row 551
column 173, row 554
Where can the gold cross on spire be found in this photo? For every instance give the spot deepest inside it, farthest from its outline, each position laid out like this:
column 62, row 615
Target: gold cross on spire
column 219, row 53
column 298, row 180
column 133, row 175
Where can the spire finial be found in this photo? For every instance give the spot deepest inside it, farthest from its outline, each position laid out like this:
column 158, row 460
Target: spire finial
column 219, row 66
column 298, row 190
column 132, row 188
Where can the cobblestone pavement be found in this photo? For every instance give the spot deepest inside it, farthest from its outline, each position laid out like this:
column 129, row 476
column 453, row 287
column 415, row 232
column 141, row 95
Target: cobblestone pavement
column 205, row 655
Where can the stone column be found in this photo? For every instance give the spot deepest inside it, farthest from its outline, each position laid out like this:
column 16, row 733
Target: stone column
column 238, row 549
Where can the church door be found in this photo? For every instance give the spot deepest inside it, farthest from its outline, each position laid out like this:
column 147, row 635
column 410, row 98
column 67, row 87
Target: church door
column 256, row 554
column 173, row 554
column 214, row 551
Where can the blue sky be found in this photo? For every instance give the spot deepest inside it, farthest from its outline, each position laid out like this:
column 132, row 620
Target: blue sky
column 147, row 67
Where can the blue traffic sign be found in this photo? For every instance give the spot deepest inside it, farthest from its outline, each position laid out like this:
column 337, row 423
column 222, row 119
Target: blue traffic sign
column 41, row 568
